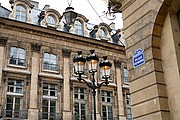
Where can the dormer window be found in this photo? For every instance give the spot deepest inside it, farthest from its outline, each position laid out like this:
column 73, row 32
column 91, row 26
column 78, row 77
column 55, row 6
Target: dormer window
column 21, row 13
column 78, row 28
column 102, row 33
column 51, row 20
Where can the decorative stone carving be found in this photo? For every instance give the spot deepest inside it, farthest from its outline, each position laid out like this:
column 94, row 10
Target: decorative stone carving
column 66, row 52
column 117, row 63
column 3, row 41
column 35, row 47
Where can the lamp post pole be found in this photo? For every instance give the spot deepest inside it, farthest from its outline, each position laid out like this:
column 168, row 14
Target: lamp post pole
column 92, row 59
column 94, row 94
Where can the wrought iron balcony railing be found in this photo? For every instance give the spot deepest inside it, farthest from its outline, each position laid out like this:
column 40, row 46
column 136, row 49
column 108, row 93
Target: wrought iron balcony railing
column 50, row 116
column 14, row 114
column 48, row 66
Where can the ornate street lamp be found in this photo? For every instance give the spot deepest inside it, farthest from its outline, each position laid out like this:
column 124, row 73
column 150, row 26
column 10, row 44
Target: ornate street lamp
column 70, row 16
column 92, row 60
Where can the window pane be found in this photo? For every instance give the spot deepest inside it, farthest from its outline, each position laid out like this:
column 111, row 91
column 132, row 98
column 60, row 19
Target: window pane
column 20, row 13
column 51, row 20
column 78, row 27
column 53, row 106
column 46, row 55
column 52, row 93
column 17, row 56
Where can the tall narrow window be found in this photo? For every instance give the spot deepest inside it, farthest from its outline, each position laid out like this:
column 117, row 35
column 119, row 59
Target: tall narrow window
column 107, row 111
column 21, row 13
column 126, row 78
column 78, row 28
column 79, row 104
column 17, row 56
column 14, row 99
column 128, row 107
column 49, row 102
column 51, row 20
column 50, row 62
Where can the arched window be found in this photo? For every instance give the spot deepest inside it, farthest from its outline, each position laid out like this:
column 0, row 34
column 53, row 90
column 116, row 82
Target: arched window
column 78, row 28
column 102, row 33
column 51, row 20
column 21, row 13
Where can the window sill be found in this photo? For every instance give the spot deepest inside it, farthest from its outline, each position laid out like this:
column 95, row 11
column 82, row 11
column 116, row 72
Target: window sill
column 17, row 94
column 50, row 75
column 49, row 97
column 15, row 70
column 50, row 71
column 16, row 66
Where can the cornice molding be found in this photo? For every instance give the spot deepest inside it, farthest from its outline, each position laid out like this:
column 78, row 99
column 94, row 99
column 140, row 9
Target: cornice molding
column 6, row 23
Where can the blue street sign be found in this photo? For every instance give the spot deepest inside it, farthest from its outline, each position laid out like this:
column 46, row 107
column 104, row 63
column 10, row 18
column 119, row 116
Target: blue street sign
column 138, row 58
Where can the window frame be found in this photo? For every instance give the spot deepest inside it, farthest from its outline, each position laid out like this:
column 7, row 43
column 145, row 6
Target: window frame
column 17, row 58
column 78, row 113
column 125, row 75
column 49, row 90
column 54, row 18
column 49, row 98
column 49, row 108
column 128, row 106
column 107, row 103
column 49, row 66
column 20, row 11
column 14, row 95
column 79, row 29
column 104, row 31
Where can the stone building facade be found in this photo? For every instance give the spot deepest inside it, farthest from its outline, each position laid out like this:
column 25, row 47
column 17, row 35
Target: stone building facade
column 37, row 80
column 153, row 26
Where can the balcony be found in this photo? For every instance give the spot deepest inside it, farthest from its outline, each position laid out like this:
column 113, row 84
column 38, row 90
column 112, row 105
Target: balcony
column 50, row 116
column 14, row 114
column 53, row 67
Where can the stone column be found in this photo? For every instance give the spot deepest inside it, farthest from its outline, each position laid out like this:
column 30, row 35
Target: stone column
column 3, row 42
column 67, row 113
column 33, row 107
column 121, row 115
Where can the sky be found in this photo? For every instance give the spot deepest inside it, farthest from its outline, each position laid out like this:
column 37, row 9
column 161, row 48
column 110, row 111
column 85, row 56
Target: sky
column 80, row 6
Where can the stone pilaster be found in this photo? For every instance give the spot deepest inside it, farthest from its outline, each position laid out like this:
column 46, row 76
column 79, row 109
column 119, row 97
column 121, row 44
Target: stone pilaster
column 33, row 107
column 67, row 113
column 121, row 115
column 3, row 42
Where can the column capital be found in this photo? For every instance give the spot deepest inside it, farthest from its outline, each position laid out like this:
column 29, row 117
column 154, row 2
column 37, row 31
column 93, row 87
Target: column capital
column 3, row 41
column 35, row 47
column 117, row 63
column 66, row 52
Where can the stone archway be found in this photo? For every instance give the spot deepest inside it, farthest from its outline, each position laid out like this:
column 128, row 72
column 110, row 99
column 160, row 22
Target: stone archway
column 143, row 24
column 168, row 45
